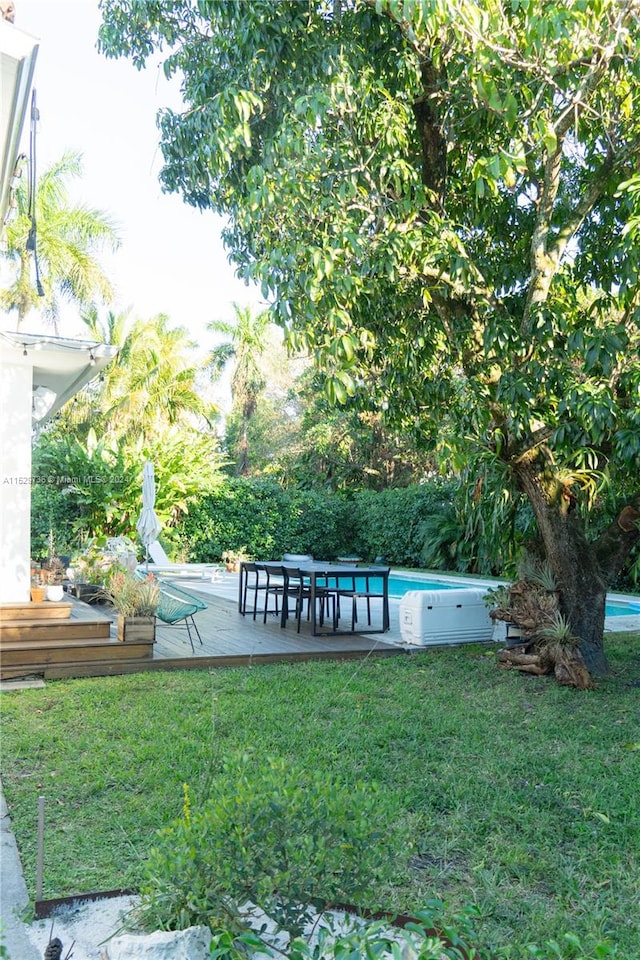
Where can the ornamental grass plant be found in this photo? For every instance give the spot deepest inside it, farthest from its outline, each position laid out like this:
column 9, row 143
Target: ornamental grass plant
column 131, row 596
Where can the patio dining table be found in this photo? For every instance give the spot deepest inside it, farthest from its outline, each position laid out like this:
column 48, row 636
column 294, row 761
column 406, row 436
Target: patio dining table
column 325, row 575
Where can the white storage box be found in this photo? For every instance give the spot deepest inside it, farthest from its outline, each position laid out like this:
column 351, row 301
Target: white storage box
column 445, row 616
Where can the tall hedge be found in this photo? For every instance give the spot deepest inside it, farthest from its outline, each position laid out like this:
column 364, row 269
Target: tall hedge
column 267, row 521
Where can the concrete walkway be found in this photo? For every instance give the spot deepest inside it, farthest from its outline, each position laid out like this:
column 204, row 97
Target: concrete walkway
column 14, row 899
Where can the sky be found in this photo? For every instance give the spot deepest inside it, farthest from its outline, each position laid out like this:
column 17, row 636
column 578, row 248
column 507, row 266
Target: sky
column 171, row 259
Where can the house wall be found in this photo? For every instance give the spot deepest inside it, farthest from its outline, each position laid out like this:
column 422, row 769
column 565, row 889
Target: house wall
column 16, row 390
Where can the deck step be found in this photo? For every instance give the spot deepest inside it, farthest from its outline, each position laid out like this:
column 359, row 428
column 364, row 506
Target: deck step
column 51, row 631
column 98, row 668
column 18, row 660
column 74, row 668
column 46, row 611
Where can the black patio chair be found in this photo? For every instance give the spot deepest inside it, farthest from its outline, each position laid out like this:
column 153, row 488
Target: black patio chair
column 251, row 572
column 275, row 586
column 298, row 587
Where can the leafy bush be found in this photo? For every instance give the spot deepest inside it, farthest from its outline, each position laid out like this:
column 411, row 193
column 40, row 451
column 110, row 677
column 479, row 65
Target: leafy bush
column 268, row 521
column 319, row 523
column 337, row 936
column 285, row 839
column 84, row 488
column 390, row 524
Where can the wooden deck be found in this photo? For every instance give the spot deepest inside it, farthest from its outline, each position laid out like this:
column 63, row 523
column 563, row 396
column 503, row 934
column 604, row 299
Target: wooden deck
column 228, row 639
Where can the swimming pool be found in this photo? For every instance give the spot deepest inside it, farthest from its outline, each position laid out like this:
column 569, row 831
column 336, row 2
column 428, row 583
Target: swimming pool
column 623, row 608
column 399, row 584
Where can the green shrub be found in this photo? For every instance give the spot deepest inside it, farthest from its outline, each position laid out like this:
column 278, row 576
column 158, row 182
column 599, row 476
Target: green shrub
column 240, row 512
column 285, row 839
column 319, row 523
column 268, row 520
column 338, row 938
column 390, row 524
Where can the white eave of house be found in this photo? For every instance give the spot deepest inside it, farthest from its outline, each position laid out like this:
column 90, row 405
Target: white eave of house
column 18, row 52
column 61, row 366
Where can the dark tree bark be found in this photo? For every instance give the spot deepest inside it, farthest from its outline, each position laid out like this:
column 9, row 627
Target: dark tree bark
column 432, row 141
column 613, row 547
column 583, row 569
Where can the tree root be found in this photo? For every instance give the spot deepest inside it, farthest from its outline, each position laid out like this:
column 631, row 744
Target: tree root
column 570, row 671
column 547, row 646
column 568, row 666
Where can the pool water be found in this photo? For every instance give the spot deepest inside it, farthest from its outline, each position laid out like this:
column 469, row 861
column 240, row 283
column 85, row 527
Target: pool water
column 618, row 609
column 398, row 586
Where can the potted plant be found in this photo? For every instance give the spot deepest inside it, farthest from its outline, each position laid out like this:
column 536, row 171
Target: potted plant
column 91, row 569
column 136, row 601
column 38, row 588
column 121, row 550
column 52, row 575
column 233, row 558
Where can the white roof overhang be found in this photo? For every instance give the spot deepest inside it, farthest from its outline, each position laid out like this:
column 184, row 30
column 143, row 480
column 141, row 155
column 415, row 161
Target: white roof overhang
column 18, row 52
column 61, row 366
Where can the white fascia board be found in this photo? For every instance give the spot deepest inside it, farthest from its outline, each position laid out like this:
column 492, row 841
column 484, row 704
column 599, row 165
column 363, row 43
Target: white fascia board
column 18, row 52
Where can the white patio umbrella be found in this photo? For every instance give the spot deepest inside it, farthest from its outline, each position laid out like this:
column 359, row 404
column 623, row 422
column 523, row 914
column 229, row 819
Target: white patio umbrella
column 148, row 525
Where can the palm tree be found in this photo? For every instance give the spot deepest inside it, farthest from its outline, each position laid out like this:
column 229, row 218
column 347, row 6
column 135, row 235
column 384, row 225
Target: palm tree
column 64, row 246
column 246, row 344
column 151, row 385
column 145, row 405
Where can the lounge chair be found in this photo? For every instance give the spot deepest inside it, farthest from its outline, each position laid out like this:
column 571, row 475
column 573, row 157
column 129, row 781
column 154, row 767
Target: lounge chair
column 163, row 567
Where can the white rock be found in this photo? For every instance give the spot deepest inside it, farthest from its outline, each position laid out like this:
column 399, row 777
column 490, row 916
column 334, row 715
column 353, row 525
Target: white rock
column 190, row 944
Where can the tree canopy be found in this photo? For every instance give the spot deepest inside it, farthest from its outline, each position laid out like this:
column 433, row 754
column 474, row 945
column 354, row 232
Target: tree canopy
column 441, row 199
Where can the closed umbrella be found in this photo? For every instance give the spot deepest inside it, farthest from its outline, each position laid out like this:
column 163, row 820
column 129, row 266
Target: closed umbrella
column 148, row 525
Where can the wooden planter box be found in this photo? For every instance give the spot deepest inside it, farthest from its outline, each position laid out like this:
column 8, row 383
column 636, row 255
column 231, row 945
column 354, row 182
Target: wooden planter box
column 136, row 629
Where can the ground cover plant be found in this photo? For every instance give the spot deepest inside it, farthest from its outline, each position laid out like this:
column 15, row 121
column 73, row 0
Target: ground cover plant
column 519, row 796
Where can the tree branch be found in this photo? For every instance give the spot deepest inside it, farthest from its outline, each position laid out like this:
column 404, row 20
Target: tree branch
column 614, row 545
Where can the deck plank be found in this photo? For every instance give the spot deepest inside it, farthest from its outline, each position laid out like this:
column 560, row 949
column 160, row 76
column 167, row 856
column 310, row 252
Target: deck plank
column 225, row 632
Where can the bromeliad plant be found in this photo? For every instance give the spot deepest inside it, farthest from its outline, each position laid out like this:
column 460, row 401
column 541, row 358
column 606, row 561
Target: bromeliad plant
column 132, row 597
column 548, row 643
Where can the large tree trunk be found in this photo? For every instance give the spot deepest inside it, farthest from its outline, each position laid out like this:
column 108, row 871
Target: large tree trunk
column 583, row 570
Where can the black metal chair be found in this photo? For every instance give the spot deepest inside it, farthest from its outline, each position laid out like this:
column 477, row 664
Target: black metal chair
column 298, row 587
column 343, row 586
column 275, row 586
column 358, row 587
column 365, row 593
column 256, row 586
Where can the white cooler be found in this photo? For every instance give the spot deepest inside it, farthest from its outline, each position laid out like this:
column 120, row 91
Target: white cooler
column 445, row 616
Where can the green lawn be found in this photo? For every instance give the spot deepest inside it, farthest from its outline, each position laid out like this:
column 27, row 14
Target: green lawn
column 522, row 795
